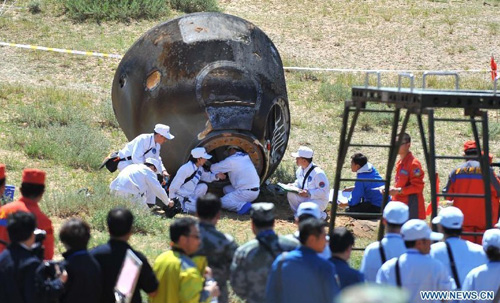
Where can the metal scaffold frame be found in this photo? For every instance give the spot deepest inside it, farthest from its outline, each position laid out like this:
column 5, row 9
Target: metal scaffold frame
column 419, row 102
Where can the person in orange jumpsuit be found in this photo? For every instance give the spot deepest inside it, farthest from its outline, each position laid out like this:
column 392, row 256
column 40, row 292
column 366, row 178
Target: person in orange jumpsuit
column 32, row 189
column 468, row 179
column 409, row 185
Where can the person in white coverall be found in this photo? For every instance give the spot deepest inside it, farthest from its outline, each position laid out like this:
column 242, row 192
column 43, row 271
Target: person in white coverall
column 245, row 182
column 311, row 181
column 145, row 146
column 139, row 183
column 186, row 185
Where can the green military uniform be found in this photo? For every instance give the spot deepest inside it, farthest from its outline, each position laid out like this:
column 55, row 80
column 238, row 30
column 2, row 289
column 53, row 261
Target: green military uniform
column 252, row 261
column 180, row 281
column 218, row 248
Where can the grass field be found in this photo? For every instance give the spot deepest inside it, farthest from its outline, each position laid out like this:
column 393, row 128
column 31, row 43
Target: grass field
column 55, row 109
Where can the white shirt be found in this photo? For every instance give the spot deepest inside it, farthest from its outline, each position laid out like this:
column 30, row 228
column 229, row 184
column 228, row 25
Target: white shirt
column 241, row 171
column 317, row 183
column 467, row 256
column 418, row 273
column 179, row 189
column 393, row 245
column 483, row 278
column 141, row 181
column 137, row 147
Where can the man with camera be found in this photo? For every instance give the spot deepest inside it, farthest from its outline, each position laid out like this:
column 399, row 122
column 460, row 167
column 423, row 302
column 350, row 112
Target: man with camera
column 84, row 283
column 19, row 267
column 32, row 189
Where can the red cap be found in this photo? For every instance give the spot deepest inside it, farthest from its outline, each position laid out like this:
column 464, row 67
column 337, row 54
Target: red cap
column 2, row 171
column 34, row 176
column 469, row 145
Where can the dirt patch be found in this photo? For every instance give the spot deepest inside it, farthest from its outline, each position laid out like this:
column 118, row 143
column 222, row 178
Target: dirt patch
column 360, row 228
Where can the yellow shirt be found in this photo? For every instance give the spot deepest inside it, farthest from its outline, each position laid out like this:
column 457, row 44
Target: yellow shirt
column 180, row 281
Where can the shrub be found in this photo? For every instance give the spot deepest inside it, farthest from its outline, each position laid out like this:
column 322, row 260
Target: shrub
column 285, row 173
column 123, row 10
column 192, row 6
column 44, row 114
column 76, row 145
column 337, row 92
column 107, row 115
column 34, row 7
column 45, row 107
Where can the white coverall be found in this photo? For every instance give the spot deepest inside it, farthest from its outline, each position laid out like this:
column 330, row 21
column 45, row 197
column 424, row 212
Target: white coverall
column 245, row 181
column 139, row 183
column 136, row 149
column 192, row 189
column 418, row 273
column 318, row 186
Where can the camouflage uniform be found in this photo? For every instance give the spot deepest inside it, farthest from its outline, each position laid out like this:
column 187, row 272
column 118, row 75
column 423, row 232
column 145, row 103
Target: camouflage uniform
column 252, row 261
column 218, row 249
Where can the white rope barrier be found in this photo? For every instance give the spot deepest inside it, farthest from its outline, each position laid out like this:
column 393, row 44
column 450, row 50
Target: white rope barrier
column 286, row 68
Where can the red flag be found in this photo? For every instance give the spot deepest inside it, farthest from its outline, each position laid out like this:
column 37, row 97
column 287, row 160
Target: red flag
column 493, row 68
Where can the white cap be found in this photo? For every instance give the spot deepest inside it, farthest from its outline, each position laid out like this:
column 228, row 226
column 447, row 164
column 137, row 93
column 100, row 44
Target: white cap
column 164, row 130
column 156, row 163
column 303, row 152
column 491, row 237
column 416, row 229
column 396, row 212
column 309, row 208
column 200, row 152
column 450, row 217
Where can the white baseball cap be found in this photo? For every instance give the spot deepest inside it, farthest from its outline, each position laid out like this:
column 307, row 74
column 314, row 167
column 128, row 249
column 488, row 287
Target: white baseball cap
column 491, row 237
column 303, row 152
column 155, row 162
column 309, row 208
column 450, row 217
column 200, row 152
column 416, row 229
column 164, row 130
column 396, row 212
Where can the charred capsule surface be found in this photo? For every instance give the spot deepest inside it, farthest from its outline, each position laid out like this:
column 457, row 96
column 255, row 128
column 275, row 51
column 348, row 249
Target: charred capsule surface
column 216, row 80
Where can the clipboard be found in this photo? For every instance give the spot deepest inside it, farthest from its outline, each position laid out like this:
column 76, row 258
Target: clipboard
column 127, row 279
column 343, row 197
column 289, row 188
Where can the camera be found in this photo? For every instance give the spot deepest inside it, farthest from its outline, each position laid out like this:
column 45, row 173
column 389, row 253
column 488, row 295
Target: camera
column 38, row 248
column 170, row 212
column 40, row 235
column 47, row 272
column 51, row 270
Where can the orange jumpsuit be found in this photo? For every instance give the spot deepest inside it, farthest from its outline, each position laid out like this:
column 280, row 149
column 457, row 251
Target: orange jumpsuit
column 43, row 222
column 467, row 179
column 410, row 178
